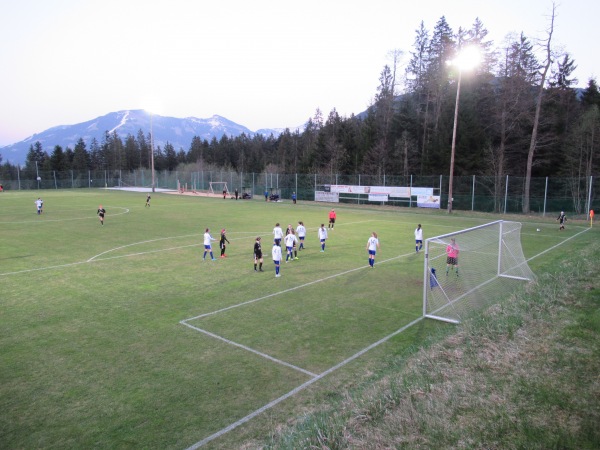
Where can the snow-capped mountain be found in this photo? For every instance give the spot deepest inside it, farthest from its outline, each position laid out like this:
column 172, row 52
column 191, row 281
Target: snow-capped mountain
column 178, row 132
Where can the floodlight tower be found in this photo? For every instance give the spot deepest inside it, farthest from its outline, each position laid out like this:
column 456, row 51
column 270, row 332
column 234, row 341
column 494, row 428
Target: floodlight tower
column 152, row 152
column 467, row 58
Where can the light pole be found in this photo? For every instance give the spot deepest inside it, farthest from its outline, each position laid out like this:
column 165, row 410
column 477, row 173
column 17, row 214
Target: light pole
column 152, row 153
column 468, row 58
column 453, row 150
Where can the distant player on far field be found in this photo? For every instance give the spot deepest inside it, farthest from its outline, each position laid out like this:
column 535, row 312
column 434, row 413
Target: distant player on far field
column 562, row 218
column 101, row 211
column 418, row 238
column 148, row 201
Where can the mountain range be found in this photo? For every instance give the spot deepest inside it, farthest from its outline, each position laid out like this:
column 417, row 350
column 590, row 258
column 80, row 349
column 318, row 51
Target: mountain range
column 176, row 131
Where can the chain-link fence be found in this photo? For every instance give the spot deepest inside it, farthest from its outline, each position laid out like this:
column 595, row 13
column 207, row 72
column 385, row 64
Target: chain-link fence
column 473, row 193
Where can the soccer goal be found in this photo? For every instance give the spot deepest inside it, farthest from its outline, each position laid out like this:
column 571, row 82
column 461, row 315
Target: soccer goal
column 220, row 186
column 470, row 269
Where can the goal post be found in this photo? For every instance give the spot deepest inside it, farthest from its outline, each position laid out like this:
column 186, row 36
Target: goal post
column 472, row 268
column 220, row 186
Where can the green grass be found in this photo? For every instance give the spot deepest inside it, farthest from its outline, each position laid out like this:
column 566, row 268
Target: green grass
column 93, row 351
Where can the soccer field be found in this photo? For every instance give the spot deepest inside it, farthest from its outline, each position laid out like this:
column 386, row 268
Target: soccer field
column 121, row 336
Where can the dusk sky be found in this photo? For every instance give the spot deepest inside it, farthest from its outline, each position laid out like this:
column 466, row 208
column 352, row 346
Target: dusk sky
column 261, row 64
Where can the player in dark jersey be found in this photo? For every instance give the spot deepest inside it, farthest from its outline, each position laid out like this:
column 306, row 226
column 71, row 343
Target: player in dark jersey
column 258, row 256
column 101, row 211
column 222, row 243
column 148, row 201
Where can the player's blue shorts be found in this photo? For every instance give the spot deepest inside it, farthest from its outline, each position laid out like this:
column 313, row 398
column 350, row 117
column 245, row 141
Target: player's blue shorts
column 372, row 252
column 207, row 247
column 289, row 249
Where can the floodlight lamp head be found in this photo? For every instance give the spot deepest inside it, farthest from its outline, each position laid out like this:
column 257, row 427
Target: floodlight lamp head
column 467, row 58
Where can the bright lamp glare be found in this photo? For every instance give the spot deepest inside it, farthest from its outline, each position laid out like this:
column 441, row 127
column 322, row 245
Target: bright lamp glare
column 152, row 106
column 467, row 58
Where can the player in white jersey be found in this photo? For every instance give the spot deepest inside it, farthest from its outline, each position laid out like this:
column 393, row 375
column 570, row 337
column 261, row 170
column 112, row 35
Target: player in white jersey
column 290, row 241
column 276, row 253
column 207, row 244
column 322, row 236
column 277, row 234
column 301, row 230
column 418, row 238
column 372, row 246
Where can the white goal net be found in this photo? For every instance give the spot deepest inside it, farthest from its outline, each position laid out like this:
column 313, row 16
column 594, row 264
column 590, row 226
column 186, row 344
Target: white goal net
column 470, row 269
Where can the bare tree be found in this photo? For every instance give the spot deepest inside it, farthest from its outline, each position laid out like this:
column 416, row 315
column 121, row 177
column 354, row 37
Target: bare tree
column 538, row 108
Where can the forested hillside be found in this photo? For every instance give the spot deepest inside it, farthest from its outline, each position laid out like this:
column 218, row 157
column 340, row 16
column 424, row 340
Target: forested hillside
column 408, row 128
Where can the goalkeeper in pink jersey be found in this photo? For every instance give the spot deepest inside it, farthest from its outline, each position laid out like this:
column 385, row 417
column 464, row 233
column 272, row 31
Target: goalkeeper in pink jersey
column 452, row 251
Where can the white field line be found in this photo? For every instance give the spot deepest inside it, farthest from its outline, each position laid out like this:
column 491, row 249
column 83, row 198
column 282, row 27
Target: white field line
column 236, row 344
column 299, row 388
column 93, row 258
column 328, row 371
column 126, row 210
column 560, row 243
column 285, row 291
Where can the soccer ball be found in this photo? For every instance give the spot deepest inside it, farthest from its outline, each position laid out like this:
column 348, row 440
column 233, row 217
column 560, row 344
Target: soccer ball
column 538, row 229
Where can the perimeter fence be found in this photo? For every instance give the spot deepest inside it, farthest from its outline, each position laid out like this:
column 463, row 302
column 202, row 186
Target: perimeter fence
column 574, row 195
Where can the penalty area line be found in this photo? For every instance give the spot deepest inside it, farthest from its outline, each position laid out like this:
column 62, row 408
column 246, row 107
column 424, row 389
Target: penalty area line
column 299, row 388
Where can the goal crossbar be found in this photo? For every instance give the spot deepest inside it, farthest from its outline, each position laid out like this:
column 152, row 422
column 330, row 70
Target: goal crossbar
column 220, row 185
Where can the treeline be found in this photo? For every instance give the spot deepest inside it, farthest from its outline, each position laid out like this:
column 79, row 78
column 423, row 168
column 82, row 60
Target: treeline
column 517, row 109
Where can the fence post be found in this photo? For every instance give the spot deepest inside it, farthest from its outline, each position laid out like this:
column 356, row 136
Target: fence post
column 505, row 194
column 545, row 197
column 72, row 181
column 19, row 177
column 410, row 194
column 589, row 202
column 473, row 195
column 54, row 175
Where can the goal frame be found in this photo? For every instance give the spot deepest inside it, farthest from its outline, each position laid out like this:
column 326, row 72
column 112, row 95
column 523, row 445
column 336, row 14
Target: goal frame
column 427, row 273
column 223, row 185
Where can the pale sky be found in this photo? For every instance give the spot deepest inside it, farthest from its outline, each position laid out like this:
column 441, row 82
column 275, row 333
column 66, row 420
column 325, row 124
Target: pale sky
column 261, row 63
